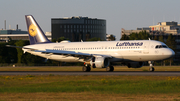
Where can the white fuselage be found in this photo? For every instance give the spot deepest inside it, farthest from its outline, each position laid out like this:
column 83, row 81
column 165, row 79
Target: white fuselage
column 120, row 51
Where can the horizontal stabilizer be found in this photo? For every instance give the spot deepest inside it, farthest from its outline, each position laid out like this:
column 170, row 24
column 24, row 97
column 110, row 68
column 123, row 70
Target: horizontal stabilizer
column 31, row 49
column 13, row 46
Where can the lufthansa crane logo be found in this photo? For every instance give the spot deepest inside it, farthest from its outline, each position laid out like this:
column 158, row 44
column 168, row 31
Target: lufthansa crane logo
column 32, row 30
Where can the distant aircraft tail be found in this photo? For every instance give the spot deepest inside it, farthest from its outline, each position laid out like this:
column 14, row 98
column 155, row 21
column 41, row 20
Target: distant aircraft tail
column 36, row 35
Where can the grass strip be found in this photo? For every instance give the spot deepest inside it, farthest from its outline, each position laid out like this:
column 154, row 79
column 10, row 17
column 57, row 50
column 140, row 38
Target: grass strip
column 86, row 96
column 98, row 84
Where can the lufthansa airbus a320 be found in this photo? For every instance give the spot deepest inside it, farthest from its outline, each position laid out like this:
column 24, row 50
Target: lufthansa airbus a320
column 100, row 54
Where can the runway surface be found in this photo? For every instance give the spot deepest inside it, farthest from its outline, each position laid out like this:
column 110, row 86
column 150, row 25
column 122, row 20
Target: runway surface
column 141, row 73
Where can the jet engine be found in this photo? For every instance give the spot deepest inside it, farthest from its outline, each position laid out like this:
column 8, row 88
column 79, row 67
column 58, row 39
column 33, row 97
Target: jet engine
column 99, row 62
column 135, row 64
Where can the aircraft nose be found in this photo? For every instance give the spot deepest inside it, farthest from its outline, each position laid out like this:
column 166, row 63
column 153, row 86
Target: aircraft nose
column 171, row 53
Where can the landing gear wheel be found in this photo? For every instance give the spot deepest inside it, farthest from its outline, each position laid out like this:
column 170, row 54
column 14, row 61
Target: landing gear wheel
column 151, row 69
column 109, row 68
column 86, row 69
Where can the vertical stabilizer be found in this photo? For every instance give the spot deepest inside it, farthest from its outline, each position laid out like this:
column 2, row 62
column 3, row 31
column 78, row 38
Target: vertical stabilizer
column 36, row 35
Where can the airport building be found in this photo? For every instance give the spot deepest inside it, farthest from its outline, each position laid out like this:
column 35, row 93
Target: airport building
column 16, row 34
column 6, row 35
column 78, row 28
column 166, row 27
column 162, row 29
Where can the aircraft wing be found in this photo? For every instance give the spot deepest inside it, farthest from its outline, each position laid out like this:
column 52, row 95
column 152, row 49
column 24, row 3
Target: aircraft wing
column 71, row 53
column 60, row 52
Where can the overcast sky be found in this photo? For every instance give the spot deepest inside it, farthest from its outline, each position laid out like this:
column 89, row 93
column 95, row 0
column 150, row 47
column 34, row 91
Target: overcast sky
column 127, row 14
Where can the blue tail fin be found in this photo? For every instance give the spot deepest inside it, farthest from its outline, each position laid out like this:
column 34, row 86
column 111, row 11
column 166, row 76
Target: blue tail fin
column 36, row 35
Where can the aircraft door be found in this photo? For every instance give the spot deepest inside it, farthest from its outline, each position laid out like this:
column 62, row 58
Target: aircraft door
column 146, row 48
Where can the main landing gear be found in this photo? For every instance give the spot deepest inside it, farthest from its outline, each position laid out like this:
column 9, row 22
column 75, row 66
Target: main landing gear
column 151, row 69
column 110, row 69
column 86, row 69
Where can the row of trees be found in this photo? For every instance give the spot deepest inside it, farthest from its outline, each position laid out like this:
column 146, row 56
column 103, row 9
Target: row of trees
column 16, row 56
column 143, row 35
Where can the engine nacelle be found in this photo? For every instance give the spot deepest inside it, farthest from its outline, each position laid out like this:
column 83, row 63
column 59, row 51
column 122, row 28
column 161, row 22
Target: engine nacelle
column 135, row 64
column 99, row 62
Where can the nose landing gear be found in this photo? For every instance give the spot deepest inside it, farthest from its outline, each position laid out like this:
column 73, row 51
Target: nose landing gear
column 151, row 69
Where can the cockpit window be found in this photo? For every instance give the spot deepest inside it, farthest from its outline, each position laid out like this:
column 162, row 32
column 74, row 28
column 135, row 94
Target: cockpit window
column 161, row 46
